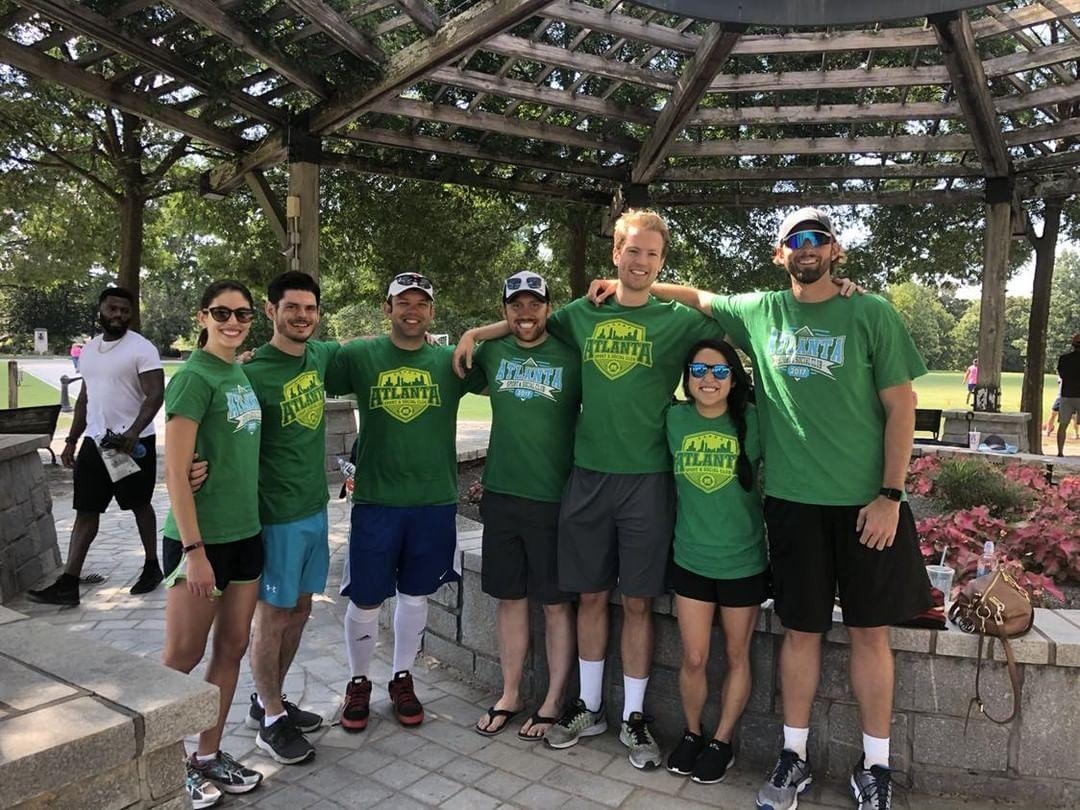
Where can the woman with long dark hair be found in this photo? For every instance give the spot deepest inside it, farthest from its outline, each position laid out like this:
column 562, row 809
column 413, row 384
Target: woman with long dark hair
column 720, row 553
column 212, row 549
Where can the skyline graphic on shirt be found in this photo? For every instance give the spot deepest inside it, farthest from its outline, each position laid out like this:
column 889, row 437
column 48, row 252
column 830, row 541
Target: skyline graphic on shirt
column 617, row 347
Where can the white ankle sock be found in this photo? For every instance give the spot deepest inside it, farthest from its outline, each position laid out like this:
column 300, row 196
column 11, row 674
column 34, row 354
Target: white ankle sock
column 633, row 695
column 875, row 751
column 361, row 633
column 270, row 719
column 795, row 740
column 410, row 619
column 591, row 674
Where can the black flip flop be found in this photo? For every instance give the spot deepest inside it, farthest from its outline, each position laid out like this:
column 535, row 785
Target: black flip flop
column 492, row 713
column 534, row 719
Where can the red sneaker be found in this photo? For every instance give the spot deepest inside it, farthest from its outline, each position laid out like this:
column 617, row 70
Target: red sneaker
column 407, row 707
column 354, row 714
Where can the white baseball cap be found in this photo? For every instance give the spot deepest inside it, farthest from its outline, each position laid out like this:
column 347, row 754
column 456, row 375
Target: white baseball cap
column 808, row 214
column 525, row 281
column 410, row 281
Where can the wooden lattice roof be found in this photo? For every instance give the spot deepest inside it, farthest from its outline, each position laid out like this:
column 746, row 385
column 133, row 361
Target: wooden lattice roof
column 584, row 99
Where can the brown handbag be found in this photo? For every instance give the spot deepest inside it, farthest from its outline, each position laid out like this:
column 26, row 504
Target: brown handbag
column 994, row 605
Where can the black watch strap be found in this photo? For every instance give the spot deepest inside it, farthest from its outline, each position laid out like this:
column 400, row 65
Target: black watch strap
column 891, row 494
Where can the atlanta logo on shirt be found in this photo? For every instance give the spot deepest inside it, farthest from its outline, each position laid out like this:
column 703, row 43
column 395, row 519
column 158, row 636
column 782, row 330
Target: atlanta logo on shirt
column 404, row 393
column 707, row 460
column 303, row 399
column 243, row 408
column 805, row 351
column 527, row 379
column 616, row 346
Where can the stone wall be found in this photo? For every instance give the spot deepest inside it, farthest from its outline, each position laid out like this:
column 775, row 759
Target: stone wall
column 88, row 727
column 1012, row 427
column 340, row 418
column 28, row 549
column 1033, row 758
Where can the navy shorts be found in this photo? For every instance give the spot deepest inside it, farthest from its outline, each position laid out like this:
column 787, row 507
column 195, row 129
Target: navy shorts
column 407, row 549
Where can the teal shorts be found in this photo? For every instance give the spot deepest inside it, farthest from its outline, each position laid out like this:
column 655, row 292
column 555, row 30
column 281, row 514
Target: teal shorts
column 297, row 560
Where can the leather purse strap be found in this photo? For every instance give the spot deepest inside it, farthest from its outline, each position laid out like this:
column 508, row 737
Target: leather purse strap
column 1014, row 680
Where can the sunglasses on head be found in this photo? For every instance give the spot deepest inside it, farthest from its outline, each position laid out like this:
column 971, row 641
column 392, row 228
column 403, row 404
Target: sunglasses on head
column 222, row 314
column 532, row 282
column 800, row 239
column 415, row 279
column 720, row 371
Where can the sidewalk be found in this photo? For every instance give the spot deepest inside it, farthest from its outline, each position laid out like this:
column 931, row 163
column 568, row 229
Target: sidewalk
column 443, row 763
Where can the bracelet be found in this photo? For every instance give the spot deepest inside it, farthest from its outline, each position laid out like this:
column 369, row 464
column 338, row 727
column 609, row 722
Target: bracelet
column 71, row 440
column 193, row 546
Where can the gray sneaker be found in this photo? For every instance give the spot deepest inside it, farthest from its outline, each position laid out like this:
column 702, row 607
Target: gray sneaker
column 576, row 722
column 872, row 787
column 790, row 777
column 635, row 735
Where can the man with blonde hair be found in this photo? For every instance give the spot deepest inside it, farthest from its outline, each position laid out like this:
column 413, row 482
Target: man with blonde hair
column 618, row 511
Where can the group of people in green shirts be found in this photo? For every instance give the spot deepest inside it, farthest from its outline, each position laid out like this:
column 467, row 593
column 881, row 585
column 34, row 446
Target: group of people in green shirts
column 594, row 481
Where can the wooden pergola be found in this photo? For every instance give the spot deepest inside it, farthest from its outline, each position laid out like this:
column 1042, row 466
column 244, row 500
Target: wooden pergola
column 607, row 102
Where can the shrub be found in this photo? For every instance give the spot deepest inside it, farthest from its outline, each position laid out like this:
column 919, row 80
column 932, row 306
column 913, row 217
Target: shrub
column 961, row 483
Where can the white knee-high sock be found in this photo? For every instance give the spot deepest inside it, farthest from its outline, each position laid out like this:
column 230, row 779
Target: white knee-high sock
column 361, row 633
column 591, row 674
column 410, row 619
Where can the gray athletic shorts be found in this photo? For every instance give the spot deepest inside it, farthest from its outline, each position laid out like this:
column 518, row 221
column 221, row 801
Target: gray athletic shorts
column 616, row 529
column 1068, row 406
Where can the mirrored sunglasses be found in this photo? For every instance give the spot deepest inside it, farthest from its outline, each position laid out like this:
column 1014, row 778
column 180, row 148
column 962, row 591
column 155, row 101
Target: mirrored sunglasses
column 720, row 371
column 222, row 314
column 531, row 282
column 800, row 239
column 413, row 279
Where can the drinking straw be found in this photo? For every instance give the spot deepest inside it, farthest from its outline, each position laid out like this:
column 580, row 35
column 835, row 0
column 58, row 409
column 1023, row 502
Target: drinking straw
column 944, row 551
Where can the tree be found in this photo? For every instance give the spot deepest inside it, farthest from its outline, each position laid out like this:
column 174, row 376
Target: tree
column 1064, row 320
column 927, row 321
column 965, row 335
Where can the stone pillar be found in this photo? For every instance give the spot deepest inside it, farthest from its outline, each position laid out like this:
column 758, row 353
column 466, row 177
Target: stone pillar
column 992, row 309
column 340, row 416
column 28, row 549
column 302, row 205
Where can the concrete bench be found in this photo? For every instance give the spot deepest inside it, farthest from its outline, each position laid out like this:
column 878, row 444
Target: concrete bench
column 84, row 725
column 1034, row 757
column 32, row 420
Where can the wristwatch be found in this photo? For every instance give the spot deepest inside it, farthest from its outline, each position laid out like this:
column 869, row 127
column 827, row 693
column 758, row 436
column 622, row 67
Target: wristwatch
column 891, row 494
column 71, row 440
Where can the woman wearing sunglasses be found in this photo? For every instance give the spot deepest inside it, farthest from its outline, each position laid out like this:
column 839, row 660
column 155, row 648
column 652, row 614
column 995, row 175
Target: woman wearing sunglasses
column 212, row 547
column 720, row 553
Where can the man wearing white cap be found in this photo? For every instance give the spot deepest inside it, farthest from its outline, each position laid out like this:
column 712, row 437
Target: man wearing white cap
column 534, row 382
column 834, row 391
column 403, row 532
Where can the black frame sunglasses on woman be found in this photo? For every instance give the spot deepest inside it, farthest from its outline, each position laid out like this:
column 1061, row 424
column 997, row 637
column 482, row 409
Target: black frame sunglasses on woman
column 222, row 314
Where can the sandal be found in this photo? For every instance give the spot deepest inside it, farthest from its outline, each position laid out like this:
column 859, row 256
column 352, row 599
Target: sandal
column 492, row 714
column 536, row 719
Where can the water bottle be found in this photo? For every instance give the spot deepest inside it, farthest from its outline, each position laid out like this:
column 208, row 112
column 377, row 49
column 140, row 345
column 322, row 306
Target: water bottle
column 138, row 451
column 347, row 467
column 988, row 560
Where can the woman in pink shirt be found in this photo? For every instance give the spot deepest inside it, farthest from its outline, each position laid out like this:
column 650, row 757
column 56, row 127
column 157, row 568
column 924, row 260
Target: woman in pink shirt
column 971, row 377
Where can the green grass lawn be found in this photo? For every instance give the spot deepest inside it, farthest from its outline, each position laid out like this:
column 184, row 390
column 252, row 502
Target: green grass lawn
column 946, row 389
column 32, row 391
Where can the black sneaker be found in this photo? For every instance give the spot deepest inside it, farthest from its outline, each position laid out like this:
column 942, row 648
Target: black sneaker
column 61, row 592
column 681, row 761
column 284, row 742
column 407, row 707
column 148, row 580
column 712, row 766
column 226, row 773
column 304, row 721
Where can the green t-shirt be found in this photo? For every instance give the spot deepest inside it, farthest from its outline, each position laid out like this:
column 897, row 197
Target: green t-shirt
column 218, row 396
column 292, row 394
column 631, row 362
column 535, row 399
column 408, row 403
column 719, row 532
column 818, row 369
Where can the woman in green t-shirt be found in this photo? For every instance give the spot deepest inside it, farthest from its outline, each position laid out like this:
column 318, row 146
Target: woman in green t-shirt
column 212, row 547
column 720, row 557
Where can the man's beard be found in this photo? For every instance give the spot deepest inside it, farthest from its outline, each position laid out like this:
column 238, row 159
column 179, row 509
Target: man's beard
column 111, row 330
column 806, row 275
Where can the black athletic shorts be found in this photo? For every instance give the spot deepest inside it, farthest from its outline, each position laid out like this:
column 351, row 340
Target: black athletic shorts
column 815, row 551
column 741, row 592
column 94, row 490
column 238, row 561
column 520, row 549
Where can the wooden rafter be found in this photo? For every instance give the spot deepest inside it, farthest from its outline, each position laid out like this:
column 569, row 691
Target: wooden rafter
column 845, row 171
column 339, row 29
column 715, row 46
column 421, row 13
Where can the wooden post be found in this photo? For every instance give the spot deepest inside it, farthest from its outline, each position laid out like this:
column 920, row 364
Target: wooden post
column 302, row 207
column 13, row 384
column 992, row 310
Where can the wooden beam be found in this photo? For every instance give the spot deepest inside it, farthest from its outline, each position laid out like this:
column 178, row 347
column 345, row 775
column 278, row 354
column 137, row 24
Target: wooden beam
column 1059, row 187
column 227, row 176
column 1059, row 160
column 773, row 199
column 855, row 79
column 332, row 23
column 205, row 13
column 409, row 65
column 1034, row 14
column 421, row 13
column 45, row 67
column 490, row 122
column 694, row 81
column 957, row 44
column 304, row 187
column 844, row 171
column 824, row 146
column 268, row 203
column 86, row 21
column 823, row 114
column 1046, row 56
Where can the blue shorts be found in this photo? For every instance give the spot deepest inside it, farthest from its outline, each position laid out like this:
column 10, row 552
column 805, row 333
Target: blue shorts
column 399, row 548
column 297, row 560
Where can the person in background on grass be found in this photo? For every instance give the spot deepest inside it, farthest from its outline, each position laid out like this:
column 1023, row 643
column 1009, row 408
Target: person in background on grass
column 121, row 392
column 1068, row 369
column 720, row 557
column 212, row 548
column 534, row 381
column 971, row 380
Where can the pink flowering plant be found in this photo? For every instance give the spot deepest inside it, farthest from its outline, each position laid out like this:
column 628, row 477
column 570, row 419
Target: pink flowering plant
column 1035, row 525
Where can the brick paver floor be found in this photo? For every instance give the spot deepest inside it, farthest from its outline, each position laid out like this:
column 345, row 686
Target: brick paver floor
column 442, row 763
